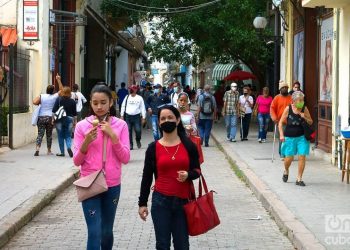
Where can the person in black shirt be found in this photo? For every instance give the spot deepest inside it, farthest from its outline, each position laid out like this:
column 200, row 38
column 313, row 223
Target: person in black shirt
column 64, row 125
column 292, row 137
column 153, row 103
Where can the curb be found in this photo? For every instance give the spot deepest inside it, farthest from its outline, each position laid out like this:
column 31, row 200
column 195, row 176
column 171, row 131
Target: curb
column 301, row 237
column 24, row 213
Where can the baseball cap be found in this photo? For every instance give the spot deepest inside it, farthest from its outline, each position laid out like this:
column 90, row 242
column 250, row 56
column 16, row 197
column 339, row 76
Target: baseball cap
column 157, row 86
column 233, row 84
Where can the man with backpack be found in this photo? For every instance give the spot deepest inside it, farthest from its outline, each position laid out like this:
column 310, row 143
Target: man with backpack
column 206, row 113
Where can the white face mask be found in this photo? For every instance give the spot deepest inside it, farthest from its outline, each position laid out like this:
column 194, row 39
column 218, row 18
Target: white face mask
column 234, row 88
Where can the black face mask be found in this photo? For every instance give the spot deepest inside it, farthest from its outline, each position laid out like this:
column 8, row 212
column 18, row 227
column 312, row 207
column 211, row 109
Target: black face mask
column 245, row 93
column 168, row 127
column 284, row 93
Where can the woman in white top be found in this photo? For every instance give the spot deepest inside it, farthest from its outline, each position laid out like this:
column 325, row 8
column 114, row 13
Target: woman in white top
column 246, row 104
column 187, row 118
column 45, row 115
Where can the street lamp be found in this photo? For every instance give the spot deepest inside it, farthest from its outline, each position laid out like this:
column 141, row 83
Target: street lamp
column 260, row 24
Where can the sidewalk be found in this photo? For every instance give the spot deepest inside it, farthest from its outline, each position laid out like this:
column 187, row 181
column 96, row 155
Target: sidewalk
column 299, row 211
column 29, row 183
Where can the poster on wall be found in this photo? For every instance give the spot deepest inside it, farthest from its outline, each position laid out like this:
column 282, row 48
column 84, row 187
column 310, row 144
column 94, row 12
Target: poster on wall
column 298, row 63
column 326, row 60
column 30, row 20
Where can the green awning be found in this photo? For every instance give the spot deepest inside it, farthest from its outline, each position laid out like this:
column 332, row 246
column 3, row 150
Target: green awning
column 220, row 71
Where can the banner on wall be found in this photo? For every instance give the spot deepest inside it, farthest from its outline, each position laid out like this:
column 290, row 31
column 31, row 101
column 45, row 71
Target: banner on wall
column 326, row 60
column 30, row 20
column 298, row 62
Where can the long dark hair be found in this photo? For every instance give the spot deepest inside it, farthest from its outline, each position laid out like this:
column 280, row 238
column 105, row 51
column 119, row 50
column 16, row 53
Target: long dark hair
column 181, row 132
column 101, row 88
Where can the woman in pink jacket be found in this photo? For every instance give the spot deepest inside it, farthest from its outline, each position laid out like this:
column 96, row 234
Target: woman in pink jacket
column 100, row 210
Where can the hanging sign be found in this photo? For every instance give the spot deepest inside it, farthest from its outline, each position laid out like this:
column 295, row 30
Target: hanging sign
column 30, row 20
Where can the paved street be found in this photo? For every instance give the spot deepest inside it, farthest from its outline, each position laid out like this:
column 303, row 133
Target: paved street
column 61, row 224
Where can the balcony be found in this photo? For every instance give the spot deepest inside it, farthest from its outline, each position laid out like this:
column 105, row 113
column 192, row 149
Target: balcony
column 325, row 3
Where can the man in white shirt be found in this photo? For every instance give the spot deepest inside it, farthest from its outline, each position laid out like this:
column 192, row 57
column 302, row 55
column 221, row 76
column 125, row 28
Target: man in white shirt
column 79, row 99
column 175, row 95
column 132, row 110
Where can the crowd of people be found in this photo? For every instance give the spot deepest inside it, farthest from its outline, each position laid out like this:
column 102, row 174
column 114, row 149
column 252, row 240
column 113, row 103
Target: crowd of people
column 104, row 138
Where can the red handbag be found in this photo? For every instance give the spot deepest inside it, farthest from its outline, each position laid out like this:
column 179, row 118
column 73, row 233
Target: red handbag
column 200, row 213
column 197, row 141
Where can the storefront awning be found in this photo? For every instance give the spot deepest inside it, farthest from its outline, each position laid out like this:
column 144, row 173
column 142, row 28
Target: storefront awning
column 9, row 35
column 222, row 70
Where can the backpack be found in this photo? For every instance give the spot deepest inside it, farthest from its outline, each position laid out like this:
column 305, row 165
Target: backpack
column 207, row 107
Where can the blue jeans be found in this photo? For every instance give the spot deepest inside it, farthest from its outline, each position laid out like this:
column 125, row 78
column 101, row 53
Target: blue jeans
column 205, row 126
column 263, row 120
column 231, row 126
column 64, row 129
column 134, row 122
column 169, row 219
column 99, row 212
column 155, row 127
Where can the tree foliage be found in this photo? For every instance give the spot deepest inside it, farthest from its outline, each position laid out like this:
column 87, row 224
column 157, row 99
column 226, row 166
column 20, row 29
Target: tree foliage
column 223, row 31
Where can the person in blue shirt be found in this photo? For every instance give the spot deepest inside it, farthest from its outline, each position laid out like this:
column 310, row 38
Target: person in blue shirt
column 153, row 103
column 122, row 93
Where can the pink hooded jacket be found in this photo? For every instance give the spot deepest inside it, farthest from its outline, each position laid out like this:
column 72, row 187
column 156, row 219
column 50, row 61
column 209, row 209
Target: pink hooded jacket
column 116, row 154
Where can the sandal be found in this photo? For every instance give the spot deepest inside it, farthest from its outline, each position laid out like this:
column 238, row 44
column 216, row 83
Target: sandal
column 300, row 183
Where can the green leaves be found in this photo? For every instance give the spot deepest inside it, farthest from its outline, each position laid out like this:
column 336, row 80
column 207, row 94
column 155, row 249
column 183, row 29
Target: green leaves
column 223, row 31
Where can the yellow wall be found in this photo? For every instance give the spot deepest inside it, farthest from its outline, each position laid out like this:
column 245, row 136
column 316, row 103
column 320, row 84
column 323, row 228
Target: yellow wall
column 289, row 46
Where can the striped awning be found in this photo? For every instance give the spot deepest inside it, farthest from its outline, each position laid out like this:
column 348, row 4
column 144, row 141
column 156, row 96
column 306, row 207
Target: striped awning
column 220, row 71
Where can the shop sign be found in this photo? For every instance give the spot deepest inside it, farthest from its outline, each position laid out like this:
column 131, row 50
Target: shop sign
column 30, row 20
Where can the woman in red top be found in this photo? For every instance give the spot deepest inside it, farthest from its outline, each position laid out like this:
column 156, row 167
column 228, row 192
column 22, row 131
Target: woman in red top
column 174, row 162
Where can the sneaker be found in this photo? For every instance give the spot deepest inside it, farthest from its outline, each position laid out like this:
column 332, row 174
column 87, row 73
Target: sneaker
column 263, row 140
column 259, row 140
column 36, row 153
column 138, row 144
column 61, row 155
column 233, row 140
column 228, row 139
column 206, row 145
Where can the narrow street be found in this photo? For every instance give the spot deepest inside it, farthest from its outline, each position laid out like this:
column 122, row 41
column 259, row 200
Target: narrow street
column 245, row 224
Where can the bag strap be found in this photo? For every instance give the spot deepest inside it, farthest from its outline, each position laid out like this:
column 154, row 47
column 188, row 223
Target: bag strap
column 126, row 104
column 104, row 153
column 200, row 188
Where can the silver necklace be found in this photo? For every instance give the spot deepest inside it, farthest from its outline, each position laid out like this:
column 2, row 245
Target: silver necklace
column 173, row 157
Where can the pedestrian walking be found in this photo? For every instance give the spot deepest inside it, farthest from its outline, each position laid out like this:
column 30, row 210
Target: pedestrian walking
column 99, row 211
column 292, row 137
column 246, row 102
column 65, row 124
column 206, row 113
column 79, row 99
column 146, row 93
column 45, row 122
column 230, row 111
column 153, row 103
column 134, row 113
column 262, row 108
column 296, row 87
column 174, row 162
column 121, row 94
column 278, row 105
column 187, row 118
column 177, row 88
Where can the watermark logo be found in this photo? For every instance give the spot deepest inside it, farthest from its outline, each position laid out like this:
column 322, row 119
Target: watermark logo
column 338, row 229
column 337, row 224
